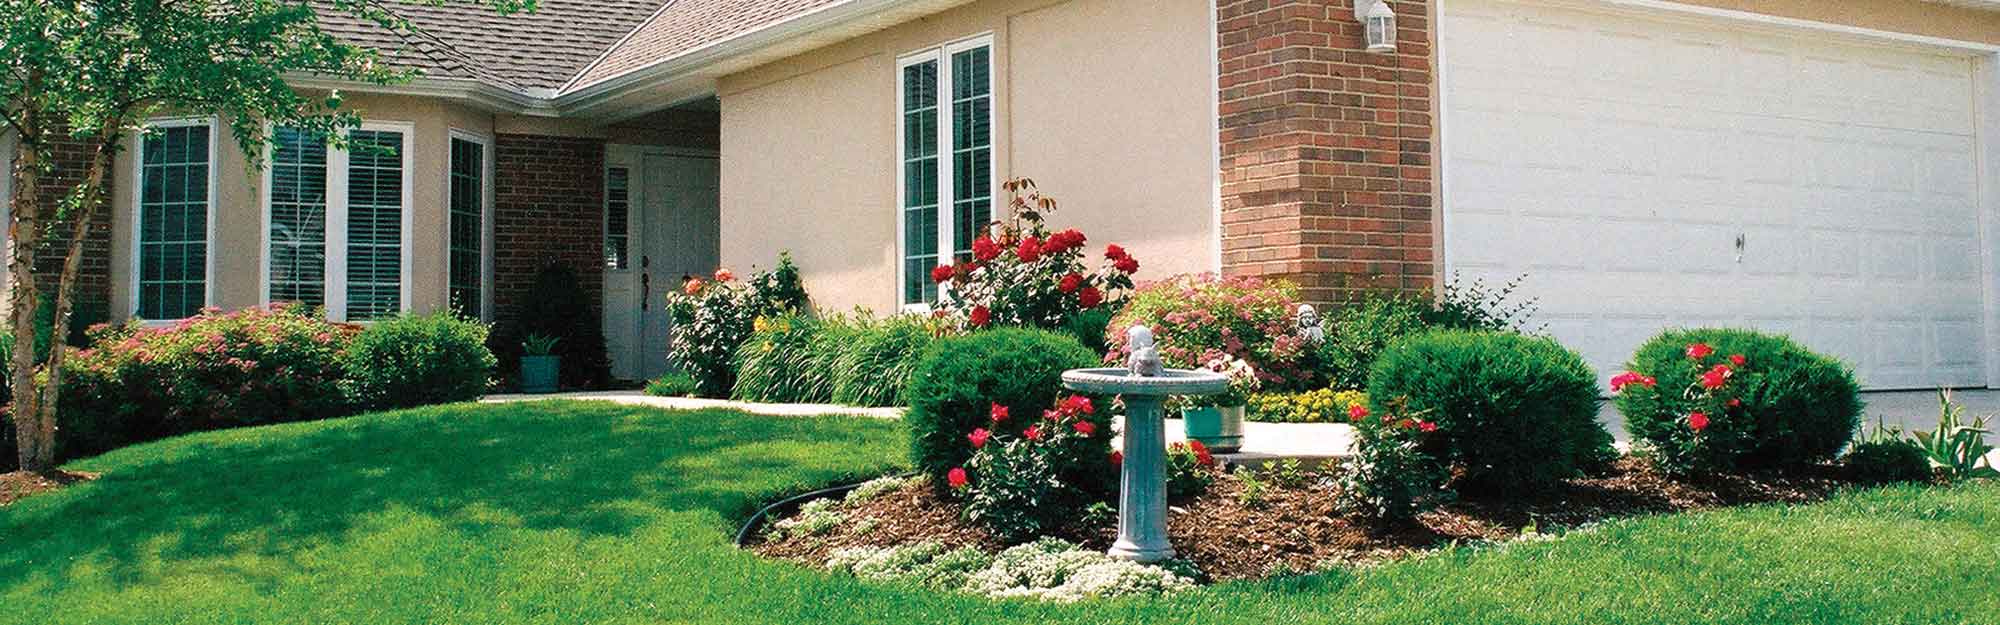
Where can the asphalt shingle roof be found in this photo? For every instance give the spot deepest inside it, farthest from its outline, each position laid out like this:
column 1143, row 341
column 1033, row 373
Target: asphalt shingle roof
column 685, row 25
column 539, row 50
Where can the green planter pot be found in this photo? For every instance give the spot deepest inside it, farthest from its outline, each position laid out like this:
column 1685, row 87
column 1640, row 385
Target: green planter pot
column 1218, row 427
column 539, row 374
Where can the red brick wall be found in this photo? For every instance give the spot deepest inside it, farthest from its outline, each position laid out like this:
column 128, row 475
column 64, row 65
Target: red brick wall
column 1326, row 149
column 548, row 205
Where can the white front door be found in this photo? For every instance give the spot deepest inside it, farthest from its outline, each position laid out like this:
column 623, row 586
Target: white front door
column 1646, row 173
column 671, row 234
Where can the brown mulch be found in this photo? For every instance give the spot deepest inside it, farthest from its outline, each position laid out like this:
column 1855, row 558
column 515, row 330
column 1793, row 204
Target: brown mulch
column 18, row 484
column 1295, row 527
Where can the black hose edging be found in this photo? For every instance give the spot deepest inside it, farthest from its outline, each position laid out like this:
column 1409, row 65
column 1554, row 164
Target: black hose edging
column 757, row 520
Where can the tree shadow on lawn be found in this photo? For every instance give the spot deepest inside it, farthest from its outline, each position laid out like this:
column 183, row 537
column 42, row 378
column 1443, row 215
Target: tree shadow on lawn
column 596, row 469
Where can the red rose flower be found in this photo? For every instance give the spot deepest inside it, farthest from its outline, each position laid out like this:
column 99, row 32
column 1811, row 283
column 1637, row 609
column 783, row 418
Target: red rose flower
column 956, row 478
column 1201, row 454
column 941, row 273
column 1034, row 432
column 1716, row 377
column 978, row 437
column 1622, row 380
column 1070, row 283
column 1029, row 250
column 1737, row 359
column 1052, row 414
column 1078, row 403
column 1697, row 421
column 1113, row 252
column 998, row 412
column 980, row 316
column 1427, row 426
column 1117, row 458
column 1085, row 428
column 1089, row 297
column 984, row 249
column 692, row 287
column 1735, row 403
column 1699, row 351
column 1357, row 412
column 724, row 275
column 1127, row 264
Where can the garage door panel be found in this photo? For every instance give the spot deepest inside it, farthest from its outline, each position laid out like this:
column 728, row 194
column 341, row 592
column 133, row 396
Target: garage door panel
column 1619, row 186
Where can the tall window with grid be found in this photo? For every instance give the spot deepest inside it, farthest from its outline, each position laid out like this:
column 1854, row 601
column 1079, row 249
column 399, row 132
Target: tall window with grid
column 617, row 218
column 298, row 217
column 468, row 238
column 374, row 224
column 173, row 221
column 946, row 161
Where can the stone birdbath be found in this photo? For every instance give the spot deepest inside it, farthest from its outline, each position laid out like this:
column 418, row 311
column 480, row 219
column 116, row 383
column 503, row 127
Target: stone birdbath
column 1142, row 482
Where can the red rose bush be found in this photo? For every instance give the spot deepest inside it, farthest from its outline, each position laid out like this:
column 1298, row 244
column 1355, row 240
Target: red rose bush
column 1022, row 274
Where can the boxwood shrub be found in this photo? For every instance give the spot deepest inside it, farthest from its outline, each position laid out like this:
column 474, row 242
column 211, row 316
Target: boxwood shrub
column 414, row 360
column 957, row 380
column 1511, row 411
column 1781, row 405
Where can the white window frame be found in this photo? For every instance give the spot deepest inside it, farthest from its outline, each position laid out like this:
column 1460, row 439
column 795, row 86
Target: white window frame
column 945, row 204
column 336, row 223
column 630, row 162
column 138, row 147
column 486, row 171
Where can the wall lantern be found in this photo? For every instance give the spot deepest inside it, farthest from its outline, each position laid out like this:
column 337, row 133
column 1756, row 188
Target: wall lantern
column 1378, row 23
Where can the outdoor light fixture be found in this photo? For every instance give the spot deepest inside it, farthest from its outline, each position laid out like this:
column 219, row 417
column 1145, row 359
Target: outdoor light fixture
column 1378, row 23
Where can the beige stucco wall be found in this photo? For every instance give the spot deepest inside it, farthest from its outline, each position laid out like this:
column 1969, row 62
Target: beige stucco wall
column 1107, row 104
column 237, row 248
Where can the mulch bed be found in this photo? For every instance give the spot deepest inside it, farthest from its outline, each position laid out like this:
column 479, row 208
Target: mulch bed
column 1295, row 527
column 18, row 484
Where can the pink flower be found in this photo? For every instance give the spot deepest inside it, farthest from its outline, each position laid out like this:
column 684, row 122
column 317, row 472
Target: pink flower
column 1622, row 380
column 1427, row 426
column 692, row 287
column 978, row 437
column 956, row 478
column 1085, row 428
column 724, row 275
column 1697, row 421
column 1698, row 351
column 998, row 412
column 1357, row 412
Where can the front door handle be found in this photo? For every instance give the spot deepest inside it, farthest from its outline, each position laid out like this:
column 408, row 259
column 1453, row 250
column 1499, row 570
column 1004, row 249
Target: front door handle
column 645, row 290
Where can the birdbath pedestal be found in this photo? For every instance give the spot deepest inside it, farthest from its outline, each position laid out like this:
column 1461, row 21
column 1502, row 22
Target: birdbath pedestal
column 1142, row 481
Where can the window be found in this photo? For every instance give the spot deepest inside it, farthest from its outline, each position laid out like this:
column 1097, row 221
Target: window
column 468, row 227
column 173, row 205
column 617, row 218
column 337, row 222
column 298, row 216
column 946, row 156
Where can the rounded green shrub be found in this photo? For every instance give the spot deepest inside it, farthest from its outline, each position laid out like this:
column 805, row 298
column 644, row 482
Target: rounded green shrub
column 1764, row 401
column 1511, row 411
column 958, row 380
column 1887, row 461
column 414, row 360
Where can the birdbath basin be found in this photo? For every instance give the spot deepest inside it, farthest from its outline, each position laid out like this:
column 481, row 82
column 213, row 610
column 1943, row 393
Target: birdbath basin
column 1142, row 479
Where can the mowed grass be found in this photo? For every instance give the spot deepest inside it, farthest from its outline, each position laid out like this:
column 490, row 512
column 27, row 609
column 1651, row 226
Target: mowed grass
column 576, row 512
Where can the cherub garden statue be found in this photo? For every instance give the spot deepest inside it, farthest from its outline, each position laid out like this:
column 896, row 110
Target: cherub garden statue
column 1309, row 325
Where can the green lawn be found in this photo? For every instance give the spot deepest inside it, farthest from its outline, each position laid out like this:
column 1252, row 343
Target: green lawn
column 595, row 513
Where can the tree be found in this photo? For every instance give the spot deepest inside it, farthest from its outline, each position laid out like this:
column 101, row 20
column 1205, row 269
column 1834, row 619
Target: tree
column 95, row 70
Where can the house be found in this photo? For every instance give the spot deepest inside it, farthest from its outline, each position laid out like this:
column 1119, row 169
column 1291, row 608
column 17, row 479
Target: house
column 1827, row 168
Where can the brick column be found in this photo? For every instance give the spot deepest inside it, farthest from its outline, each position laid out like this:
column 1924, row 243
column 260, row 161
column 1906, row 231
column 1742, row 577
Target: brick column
column 548, row 205
column 1326, row 149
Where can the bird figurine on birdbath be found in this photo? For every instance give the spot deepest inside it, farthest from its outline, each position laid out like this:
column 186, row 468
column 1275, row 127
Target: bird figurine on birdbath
column 1145, row 359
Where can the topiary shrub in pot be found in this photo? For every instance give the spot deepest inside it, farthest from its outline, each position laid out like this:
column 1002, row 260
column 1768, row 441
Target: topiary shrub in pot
column 557, row 305
column 417, row 360
column 999, row 381
column 1715, row 400
column 1512, row 412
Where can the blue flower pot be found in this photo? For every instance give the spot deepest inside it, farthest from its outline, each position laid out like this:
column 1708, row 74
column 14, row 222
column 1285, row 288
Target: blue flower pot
column 1218, row 427
column 540, row 374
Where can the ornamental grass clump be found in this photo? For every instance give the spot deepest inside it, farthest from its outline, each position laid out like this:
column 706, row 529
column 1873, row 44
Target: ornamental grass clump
column 876, row 363
column 789, row 358
column 1199, row 318
column 1720, row 400
column 1511, row 412
column 1021, row 274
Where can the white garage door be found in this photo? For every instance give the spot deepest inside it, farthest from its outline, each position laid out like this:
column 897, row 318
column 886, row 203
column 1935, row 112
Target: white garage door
column 1617, row 161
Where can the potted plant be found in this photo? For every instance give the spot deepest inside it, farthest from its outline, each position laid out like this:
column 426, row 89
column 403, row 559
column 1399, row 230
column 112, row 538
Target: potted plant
column 540, row 366
column 1217, row 420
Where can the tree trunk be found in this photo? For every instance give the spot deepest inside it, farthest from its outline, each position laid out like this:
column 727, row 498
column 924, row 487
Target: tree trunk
column 36, row 452
column 89, row 195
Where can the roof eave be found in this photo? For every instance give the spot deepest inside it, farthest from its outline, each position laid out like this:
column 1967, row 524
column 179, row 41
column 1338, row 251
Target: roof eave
column 481, row 94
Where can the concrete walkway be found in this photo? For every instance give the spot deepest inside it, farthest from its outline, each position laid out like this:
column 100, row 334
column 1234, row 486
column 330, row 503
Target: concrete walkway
column 1262, row 442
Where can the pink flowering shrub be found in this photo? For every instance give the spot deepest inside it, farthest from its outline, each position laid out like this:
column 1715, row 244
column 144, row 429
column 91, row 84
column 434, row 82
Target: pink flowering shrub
column 1197, row 319
column 210, row 371
column 1021, row 274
